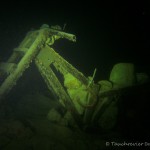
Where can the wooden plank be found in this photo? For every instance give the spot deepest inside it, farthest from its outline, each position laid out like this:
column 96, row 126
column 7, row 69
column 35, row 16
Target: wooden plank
column 24, row 63
column 56, row 87
column 47, row 55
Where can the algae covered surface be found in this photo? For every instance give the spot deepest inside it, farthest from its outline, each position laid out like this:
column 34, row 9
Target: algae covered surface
column 31, row 118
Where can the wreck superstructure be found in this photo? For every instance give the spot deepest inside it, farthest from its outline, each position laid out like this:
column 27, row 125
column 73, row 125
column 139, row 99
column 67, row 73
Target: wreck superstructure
column 85, row 100
column 36, row 47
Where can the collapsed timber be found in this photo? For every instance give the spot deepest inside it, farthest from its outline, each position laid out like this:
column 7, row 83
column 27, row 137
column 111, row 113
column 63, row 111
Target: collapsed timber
column 91, row 104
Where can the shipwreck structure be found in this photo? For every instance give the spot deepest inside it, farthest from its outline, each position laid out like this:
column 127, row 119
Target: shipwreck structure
column 89, row 103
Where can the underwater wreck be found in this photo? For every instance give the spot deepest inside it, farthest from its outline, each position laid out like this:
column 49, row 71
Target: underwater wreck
column 84, row 106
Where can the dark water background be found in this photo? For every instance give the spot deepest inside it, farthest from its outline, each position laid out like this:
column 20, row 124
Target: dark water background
column 106, row 33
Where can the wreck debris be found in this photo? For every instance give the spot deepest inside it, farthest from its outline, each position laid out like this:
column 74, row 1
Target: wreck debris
column 89, row 103
column 123, row 75
column 26, row 52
